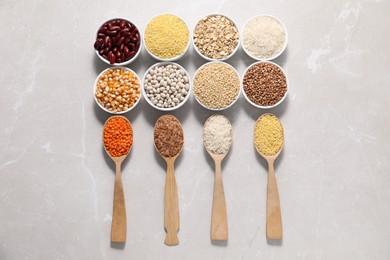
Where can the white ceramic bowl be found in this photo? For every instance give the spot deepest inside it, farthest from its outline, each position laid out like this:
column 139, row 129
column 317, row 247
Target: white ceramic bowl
column 246, row 97
column 211, row 59
column 269, row 58
column 105, row 109
column 147, row 98
column 216, row 109
column 173, row 58
column 125, row 62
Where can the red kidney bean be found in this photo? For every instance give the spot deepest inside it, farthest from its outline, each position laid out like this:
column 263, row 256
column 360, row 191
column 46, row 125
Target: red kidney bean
column 126, row 50
column 102, row 29
column 98, row 43
column 120, row 41
column 117, row 41
column 117, row 37
column 106, row 40
column 127, row 41
column 113, row 41
column 111, row 58
column 111, row 33
column 114, row 28
column 130, row 55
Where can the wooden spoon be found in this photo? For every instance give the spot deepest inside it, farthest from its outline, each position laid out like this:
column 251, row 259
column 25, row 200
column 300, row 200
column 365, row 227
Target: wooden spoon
column 171, row 204
column 118, row 226
column 274, row 217
column 219, row 224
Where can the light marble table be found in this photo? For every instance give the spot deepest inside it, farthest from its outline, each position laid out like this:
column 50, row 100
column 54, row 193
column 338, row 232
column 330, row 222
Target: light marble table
column 56, row 183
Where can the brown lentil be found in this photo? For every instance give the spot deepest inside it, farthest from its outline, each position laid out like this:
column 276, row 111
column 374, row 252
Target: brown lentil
column 265, row 84
column 168, row 136
column 117, row 89
column 216, row 36
column 216, row 85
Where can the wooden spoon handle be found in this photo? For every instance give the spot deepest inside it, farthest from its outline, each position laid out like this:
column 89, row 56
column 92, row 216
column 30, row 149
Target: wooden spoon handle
column 219, row 225
column 171, row 207
column 274, row 217
column 118, row 226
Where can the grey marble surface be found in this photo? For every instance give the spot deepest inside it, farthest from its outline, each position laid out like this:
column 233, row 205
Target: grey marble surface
column 56, row 183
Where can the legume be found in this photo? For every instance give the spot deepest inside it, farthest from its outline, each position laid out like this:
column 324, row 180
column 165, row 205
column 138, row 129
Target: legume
column 268, row 134
column 216, row 85
column 166, row 36
column 264, row 37
column 117, row 89
column 265, row 84
column 166, row 86
column 117, row 136
column 216, row 36
column 117, row 41
column 217, row 134
column 168, row 136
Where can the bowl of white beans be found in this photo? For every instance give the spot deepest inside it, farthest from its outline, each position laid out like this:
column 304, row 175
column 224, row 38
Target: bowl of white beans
column 166, row 86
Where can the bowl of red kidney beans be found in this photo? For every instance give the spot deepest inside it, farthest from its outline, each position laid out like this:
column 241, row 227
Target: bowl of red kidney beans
column 118, row 42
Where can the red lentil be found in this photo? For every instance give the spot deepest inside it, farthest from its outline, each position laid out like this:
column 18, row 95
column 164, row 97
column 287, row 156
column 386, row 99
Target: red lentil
column 117, row 136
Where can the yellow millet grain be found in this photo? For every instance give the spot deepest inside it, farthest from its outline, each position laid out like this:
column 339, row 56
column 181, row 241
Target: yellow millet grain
column 269, row 135
column 166, row 36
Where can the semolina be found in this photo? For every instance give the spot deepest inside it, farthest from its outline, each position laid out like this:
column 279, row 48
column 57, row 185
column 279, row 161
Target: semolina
column 268, row 135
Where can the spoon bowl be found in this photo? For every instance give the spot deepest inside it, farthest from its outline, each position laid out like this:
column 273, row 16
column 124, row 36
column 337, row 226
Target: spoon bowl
column 166, row 141
column 274, row 228
column 118, row 226
column 219, row 224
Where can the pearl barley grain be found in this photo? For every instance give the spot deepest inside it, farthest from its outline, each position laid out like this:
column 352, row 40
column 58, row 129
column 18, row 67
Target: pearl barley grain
column 166, row 86
column 216, row 85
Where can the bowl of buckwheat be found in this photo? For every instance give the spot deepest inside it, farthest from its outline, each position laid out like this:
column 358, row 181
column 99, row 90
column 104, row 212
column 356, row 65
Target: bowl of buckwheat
column 264, row 84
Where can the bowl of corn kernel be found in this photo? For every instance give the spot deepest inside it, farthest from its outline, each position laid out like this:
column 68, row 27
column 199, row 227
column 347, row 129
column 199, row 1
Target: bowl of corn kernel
column 117, row 90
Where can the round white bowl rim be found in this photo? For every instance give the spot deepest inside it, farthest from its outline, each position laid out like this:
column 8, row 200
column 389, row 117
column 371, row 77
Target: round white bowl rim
column 125, row 62
column 276, row 55
column 105, row 109
column 173, row 58
column 239, row 88
column 234, row 50
column 250, row 101
column 163, row 63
